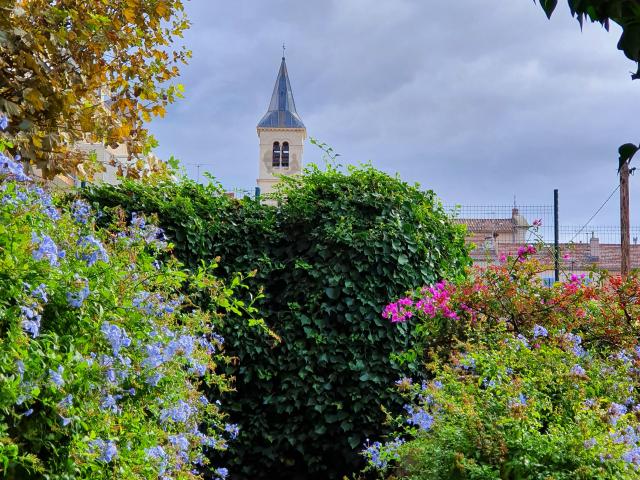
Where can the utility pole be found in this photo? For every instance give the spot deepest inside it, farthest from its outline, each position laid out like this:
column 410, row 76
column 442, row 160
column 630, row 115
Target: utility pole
column 556, row 236
column 625, row 243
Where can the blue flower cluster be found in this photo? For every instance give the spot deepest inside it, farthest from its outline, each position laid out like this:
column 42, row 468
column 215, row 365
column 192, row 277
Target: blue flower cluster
column 94, row 250
column 13, row 168
column 419, row 417
column 81, row 212
column 132, row 346
column 379, row 454
column 47, row 249
column 106, row 450
column 76, row 299
column 116, row 336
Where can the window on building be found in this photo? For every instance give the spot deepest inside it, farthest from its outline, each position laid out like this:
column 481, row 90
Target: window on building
column 285, row 154
column 276, row 154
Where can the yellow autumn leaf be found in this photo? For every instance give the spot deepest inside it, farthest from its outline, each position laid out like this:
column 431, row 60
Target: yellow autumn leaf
column 162, row 9
column 34, row 97
column 130, row 15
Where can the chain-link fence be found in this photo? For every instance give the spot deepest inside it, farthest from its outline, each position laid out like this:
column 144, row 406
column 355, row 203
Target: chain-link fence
column 483, row 218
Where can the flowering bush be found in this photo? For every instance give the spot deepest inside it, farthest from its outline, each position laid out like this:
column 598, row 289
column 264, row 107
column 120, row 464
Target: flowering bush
column 527, row 381
column 100, row 355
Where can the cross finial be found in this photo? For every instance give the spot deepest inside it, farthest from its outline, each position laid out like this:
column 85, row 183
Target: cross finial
column 283, row 49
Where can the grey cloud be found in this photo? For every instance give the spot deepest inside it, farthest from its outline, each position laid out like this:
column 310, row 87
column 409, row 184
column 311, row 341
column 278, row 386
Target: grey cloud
column 479, row 100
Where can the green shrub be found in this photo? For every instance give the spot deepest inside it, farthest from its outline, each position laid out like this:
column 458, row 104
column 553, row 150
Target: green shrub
column 336, row 248
column 527, row 381
column 101, row 355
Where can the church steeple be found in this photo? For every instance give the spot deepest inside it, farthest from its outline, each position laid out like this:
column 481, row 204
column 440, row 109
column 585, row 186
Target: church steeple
column 282, row 135
column 282, row 109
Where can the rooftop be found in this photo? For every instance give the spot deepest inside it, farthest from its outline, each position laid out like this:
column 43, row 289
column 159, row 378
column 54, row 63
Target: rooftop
column 282, row 109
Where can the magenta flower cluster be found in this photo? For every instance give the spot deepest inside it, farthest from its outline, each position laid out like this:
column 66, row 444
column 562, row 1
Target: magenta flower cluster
column 435, row 301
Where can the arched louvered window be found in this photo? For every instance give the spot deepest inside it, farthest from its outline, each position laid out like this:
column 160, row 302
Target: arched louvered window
column 276, row 154
column 285, row 154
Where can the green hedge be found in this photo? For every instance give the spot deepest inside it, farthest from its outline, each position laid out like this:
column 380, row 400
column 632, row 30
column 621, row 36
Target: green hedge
column 329, row 257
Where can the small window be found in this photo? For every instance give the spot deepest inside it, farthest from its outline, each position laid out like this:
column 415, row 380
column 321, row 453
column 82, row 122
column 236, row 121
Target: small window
column 285, row 154
column 276, row 154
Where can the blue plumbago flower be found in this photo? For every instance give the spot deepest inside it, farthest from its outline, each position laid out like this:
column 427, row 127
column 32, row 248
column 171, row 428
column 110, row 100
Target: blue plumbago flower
column 185, row 344
column 158, row 453
column 486, row 383
column 40, row 293
column 95, row 250
column 153, row 379
column 110, row 403
column 116, row 336
column 76, row 299
column 203, row 400
column 521, row 401
column 576, row 340
column 66, row 402
column 539, row 331
column 217, row 338
column 180, row 413
column 28, row 412
column 56, row 376
column 198, row 369
column 65, row 421
column 207, row 345
column 523, row 340
column 138, row 221
column 20, row 367
column 179, row 441
column 437, row 384
column 221, row 473
column 232, row 429
column 106, row 450
column 419, row 417
column 589, row 402
column 155, row 355
column 590, row 443
column 405, row 381
column 80, row 211
column 13, row 168
column 615, row 412
column 624, row 357
column 373, row 451
column 154, row 304
column 30, row 320
column 632, row 456
column 47, row 249
column 578, row 371
column 4, row 121
column 468, row 363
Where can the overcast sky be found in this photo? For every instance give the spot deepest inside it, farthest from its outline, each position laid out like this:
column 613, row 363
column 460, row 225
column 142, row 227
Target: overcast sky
column 479, row 100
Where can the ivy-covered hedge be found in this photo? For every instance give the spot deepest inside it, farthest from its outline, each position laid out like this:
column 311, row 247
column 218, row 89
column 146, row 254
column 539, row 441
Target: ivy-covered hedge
column 336, row 249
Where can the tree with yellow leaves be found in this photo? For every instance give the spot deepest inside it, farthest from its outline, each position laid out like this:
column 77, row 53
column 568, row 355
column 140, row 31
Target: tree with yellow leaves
column 78, row 70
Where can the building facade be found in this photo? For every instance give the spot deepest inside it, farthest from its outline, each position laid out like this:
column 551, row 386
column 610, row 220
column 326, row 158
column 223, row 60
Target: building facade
column 281, row 134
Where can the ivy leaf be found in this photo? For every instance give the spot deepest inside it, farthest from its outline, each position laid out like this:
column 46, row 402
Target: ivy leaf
column 548, row 6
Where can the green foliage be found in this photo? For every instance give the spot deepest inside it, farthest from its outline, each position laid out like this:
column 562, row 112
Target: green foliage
column 329, row 256
column 87, row 71
column 528, row 382
column 625, row 13
column 101, row 354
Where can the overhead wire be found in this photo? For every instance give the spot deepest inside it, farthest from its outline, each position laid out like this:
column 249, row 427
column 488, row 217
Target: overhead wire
column 594, row 215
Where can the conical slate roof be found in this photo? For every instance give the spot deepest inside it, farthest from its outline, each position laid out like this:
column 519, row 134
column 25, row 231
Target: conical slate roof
column 282, row 109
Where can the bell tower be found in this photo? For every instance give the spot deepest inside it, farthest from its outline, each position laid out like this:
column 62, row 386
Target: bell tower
column 282, row 134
